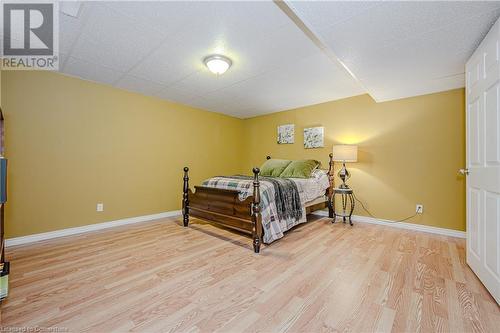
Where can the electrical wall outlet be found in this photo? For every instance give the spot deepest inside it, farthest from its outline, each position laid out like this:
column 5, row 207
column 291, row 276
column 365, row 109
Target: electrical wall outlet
column 419, row 209
column 100, row 207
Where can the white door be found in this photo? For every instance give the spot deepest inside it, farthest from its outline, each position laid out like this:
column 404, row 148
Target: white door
column 483, row 161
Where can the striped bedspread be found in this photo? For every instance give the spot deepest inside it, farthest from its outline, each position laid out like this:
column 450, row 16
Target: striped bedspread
column 274, row 223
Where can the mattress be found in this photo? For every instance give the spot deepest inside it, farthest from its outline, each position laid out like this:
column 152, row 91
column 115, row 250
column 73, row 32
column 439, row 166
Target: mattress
column 313, row 188
column 320, row 199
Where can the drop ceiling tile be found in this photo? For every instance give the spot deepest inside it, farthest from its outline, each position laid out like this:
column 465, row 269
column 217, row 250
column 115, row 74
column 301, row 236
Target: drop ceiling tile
column 158, row 48
column 251, row 55
column 205, row 82
column 254, row 56
column 309, row 81
column 62, row 60
column 114, row 40
column 176, row 95
column 70, row 8
column 405, row 44
column 67, row 34
column 227, row 107
column 172, row 17
column 70, row 28
column 432, row 55
column 392, row 89
column 166, row 17
column 447, row 41
column 167, row 64
column 87, row 49
column 425, row 59
column 390, row 21
column 322, row 14
column 250, row 17
column 132, row 83
column 90, row 71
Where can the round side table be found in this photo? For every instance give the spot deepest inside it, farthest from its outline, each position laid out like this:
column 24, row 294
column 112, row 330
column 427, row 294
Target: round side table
column 347, row 195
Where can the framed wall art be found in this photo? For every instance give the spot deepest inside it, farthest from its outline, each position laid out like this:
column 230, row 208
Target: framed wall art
column 314, row 137
column 286, row 133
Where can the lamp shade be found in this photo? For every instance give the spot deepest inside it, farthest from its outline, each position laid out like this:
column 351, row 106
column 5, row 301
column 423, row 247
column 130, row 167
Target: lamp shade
column 345, row 153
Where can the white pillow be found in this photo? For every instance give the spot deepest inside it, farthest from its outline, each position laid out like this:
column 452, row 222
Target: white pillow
column 318, row 173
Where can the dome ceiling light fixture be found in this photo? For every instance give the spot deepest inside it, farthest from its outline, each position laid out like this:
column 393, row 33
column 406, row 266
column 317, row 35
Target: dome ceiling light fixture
column 217, row 64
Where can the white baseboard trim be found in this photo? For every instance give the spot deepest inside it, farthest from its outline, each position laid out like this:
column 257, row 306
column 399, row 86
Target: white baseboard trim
column 86, row 228
column 146, row 218
column 402, row 225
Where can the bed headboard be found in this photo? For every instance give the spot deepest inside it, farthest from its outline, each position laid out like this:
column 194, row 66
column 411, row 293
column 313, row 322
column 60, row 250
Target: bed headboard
column 330, row 172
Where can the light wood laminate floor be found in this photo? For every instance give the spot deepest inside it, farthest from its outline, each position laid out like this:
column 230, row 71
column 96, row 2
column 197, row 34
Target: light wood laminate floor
column 321, row 277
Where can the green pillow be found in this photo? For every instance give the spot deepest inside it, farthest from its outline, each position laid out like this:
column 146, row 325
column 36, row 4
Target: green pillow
column 273, row 167
column 300, row 169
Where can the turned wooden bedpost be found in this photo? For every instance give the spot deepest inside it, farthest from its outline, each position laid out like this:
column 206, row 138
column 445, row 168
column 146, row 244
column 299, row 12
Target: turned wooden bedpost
column 256, row 216
column 185, row 198
column 331, row 178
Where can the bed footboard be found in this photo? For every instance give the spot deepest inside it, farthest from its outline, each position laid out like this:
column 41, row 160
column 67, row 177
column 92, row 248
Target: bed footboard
column 223, row 207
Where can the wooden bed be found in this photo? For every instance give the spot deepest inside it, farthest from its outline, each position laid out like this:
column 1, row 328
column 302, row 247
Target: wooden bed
column 223, row 207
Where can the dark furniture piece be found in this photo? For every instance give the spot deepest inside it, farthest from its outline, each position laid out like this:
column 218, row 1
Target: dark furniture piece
column 346, row 194
column 222, row 206
column 4, row 272
column 2, row 240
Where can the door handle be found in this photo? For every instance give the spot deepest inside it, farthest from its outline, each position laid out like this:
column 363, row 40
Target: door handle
column 464, row 172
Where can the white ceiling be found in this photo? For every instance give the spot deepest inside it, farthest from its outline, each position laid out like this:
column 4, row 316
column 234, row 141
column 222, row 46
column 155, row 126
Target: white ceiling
column 401, row 49
column 157, row 48
column 394, row 50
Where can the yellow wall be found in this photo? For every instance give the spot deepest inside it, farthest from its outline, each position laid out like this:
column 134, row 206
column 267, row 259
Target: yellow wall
column 409, row 151
column 73, row 143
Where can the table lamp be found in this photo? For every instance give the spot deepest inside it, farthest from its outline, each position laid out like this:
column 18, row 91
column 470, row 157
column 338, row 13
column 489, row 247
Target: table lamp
column 344, row 154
